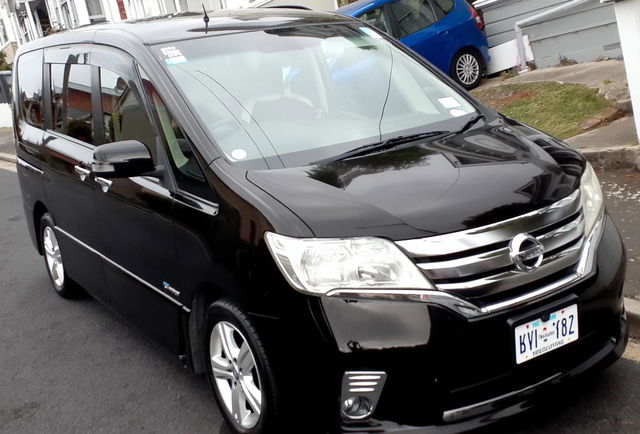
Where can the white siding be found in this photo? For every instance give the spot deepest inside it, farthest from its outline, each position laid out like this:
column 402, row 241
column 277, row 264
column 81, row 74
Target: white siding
column 583, row 33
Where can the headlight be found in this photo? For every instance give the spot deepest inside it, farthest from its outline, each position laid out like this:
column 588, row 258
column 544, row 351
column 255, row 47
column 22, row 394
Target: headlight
column 319, row 265
column 591, row 197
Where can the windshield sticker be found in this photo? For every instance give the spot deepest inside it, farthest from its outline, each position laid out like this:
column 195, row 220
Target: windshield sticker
column 449, row 102
column 173, row 55
column 457, row 112
column 238, row 154
column 370, row 32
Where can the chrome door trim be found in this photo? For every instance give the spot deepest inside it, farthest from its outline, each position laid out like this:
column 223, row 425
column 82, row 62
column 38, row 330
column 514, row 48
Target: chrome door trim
column 29, row 166
column 121, row 268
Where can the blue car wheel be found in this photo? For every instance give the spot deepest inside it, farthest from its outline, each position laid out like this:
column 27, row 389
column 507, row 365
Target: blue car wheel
column 467, row 68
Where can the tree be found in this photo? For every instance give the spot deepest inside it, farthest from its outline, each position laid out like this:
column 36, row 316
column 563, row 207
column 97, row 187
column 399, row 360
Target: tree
column 4, row 66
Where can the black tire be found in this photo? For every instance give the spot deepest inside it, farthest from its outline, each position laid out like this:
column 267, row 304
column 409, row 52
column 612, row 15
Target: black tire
column 64, row 286
column 227, row 312
column 467, row 68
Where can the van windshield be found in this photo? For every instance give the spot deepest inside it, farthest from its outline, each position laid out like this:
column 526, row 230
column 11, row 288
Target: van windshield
column 286, row 97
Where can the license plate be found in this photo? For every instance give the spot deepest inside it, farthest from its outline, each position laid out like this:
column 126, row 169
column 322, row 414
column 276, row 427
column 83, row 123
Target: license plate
column 537, row 337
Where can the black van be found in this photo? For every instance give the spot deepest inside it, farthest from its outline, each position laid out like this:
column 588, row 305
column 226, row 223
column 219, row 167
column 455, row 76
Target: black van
column 333, row 231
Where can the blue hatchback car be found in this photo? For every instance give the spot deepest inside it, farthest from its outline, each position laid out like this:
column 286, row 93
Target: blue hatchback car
column 448, row 33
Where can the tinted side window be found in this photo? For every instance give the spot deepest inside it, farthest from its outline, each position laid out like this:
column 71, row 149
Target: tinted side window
column 445, row 5
column 123, row 113
column 377, row 18
column 184, row 164
column 71, row 101
column 30, row 88
column 412, row 15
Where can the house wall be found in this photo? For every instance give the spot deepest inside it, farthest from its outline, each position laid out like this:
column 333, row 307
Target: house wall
column 583, row 33
column 316, row 5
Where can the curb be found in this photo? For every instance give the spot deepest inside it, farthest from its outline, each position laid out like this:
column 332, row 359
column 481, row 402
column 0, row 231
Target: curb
column 8, row 157
column 614, row 157
column 633, row 316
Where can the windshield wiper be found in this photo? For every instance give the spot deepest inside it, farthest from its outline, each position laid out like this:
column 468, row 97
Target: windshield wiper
column 384, row 145
column 397, row 141
column 471, row 122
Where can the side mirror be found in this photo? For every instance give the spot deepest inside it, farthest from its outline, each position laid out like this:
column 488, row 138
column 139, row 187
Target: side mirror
column 122, row 159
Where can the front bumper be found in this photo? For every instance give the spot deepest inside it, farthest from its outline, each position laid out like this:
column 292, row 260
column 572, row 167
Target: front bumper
column 485, row 413
column 464, row 368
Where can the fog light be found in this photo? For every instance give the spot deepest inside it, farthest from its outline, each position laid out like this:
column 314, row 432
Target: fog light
column 360, row 393
column 357, row 407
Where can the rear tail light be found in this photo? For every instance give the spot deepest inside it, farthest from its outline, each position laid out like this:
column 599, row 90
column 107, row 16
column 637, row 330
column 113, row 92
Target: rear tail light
column 477, row 17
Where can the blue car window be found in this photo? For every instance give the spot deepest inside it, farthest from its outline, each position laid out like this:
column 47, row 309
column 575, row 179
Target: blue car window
column 445, row 5
column 412, row 15
column 378, row 19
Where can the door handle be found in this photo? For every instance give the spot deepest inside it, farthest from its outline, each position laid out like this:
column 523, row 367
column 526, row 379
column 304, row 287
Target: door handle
column 82, row 172
column 105, row 184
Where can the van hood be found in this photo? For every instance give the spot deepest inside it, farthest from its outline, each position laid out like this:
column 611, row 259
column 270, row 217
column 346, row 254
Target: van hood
column 491, row 173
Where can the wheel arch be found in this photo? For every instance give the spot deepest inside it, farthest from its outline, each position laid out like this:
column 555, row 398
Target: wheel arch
column 203, row 296
column 39, row 209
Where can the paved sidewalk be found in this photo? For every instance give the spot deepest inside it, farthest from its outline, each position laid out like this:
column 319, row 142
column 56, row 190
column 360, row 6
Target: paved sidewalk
column 621, row 132
column 6, row 141
column 590, row 74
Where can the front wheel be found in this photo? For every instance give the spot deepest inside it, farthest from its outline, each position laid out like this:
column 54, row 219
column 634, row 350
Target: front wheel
column 238, row 369
column 467, row 68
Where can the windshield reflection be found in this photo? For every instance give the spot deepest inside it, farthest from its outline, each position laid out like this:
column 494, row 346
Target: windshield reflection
column 288, row 96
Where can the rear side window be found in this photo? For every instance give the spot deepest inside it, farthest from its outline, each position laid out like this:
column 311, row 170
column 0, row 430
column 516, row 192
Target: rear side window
column 378, row 19
column 30, row 88
column 412, row 15
column 444, row 5
column 71, row 101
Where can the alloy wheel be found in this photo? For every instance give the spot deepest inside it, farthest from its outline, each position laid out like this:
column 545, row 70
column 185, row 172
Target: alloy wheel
column 236, row 374
column 53, row 257
column 467, row 69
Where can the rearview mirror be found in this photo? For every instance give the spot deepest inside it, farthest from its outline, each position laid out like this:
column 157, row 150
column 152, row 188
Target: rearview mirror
column 122, row 159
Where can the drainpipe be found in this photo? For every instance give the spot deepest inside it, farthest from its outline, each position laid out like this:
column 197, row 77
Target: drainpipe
column 522, row 56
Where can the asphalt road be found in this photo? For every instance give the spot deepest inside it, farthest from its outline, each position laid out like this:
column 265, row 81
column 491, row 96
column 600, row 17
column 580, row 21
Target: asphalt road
column 622, row 195
column 77, row 367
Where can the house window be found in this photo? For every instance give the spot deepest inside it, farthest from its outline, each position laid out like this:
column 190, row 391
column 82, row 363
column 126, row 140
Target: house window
column 3, row 33
column 95, row 10
column 69, row 15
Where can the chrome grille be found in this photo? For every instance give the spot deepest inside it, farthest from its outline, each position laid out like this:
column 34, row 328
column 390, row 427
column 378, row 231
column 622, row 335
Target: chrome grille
column 476, row 263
